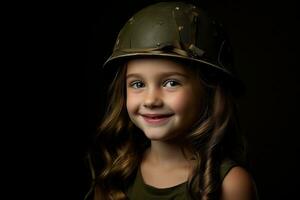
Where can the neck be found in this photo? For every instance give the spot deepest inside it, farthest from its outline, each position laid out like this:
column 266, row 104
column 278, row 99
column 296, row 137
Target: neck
column 164, row 153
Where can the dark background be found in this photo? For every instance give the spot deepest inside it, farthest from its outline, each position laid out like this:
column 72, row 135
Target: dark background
column 54, row 91
column 265, row 39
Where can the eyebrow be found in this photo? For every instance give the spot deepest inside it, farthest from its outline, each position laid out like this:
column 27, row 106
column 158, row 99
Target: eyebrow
column 163, row 74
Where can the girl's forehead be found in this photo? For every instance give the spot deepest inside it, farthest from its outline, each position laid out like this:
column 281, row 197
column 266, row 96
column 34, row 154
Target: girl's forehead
column 145, row 65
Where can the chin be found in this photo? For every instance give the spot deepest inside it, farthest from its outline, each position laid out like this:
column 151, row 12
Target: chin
column 156, row 136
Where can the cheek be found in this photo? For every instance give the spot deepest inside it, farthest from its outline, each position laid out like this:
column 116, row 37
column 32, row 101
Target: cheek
column 180, row 102
column 185, row 102
column 131, row 103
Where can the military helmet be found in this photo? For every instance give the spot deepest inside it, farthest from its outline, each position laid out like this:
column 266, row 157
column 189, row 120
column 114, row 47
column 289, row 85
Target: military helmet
column 175, row 30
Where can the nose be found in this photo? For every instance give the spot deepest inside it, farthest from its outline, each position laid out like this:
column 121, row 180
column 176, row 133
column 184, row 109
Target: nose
column 153, row 99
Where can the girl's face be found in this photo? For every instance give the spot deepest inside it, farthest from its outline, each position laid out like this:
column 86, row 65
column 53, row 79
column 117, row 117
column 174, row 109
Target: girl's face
column 163, row 97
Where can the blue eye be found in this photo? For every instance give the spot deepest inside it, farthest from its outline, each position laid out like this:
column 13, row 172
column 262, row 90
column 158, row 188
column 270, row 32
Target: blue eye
column 137, row 84
column 171, row 83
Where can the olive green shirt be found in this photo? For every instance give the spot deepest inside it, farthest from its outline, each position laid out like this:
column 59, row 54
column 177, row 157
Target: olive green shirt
column 141, row 191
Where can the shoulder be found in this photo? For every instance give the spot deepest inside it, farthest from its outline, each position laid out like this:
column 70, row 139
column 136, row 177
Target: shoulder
column 238, row 185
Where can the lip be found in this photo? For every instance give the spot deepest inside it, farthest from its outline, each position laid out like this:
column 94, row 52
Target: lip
column 156, row 119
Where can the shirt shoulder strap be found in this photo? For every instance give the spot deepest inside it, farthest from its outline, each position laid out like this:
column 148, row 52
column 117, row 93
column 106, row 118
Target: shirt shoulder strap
column 225, row 167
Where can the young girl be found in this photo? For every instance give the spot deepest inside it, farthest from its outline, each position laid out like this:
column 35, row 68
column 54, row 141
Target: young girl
column 170, row 130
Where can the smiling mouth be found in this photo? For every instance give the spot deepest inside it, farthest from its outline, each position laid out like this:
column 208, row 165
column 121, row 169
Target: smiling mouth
column 156, row 119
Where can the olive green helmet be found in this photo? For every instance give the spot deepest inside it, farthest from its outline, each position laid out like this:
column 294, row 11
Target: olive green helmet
column 175, row 30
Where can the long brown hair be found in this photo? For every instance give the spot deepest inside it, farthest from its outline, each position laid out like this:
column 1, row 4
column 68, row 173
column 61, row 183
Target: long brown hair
column 119, row 145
